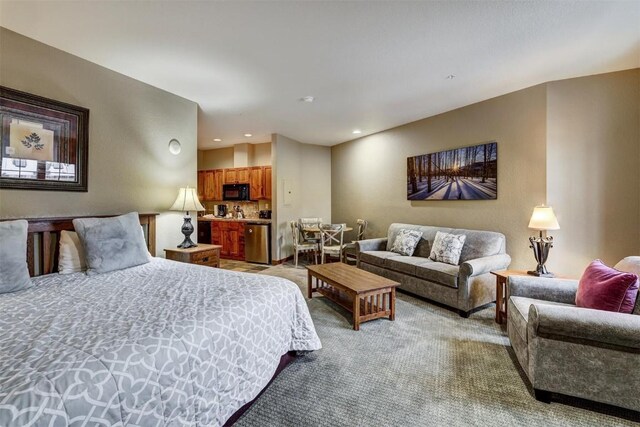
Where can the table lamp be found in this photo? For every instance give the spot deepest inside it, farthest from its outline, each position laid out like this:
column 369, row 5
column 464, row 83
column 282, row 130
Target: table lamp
column 542, row 219
column 187, row 201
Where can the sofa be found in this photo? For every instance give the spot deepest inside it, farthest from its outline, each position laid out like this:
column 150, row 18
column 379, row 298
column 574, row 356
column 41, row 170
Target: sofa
column 568, row 350
column 465, row 287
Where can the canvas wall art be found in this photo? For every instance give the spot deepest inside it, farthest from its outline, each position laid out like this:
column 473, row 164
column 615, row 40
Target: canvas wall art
column 469, row 173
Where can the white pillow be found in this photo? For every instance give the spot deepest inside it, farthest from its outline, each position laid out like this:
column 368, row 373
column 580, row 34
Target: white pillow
column 406, row 242
column 447, row 247
column 71, row 258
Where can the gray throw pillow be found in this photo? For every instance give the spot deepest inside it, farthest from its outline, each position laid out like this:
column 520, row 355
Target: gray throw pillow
column 14, row 273
column 406, row 242
column 112, row 243
column 447, row 247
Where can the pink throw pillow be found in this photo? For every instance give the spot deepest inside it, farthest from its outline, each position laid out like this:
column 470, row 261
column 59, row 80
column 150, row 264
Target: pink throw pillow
column 605, row 288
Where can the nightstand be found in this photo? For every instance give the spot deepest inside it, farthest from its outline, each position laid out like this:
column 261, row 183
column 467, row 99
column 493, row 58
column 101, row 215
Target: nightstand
column 202, row 254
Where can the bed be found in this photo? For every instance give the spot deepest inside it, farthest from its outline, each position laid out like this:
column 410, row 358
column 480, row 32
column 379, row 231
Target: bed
column 163, row 343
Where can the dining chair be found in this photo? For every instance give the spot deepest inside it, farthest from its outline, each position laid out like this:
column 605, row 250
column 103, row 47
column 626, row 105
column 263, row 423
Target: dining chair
column 299, row 246
column 331, row 241
column 349, row 250
column 310, row 236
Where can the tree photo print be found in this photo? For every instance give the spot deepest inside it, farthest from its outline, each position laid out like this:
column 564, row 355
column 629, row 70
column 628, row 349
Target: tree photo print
column 469, row 173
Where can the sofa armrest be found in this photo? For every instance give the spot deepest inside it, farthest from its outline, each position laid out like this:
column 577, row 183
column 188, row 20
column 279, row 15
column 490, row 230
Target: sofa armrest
column 372, row 245
column 478, row 266
column 584, row 324
column 556, row 290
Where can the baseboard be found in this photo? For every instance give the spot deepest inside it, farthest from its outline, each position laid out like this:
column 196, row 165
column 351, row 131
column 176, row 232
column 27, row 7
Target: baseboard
column 281, row 261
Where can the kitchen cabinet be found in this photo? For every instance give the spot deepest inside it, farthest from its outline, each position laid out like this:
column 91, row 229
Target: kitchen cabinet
column 218, row 177
column 236, row 176
column 201, row 176
column 267, row 182
column 229, row 234
column 209, row 185
column 258, row 177
column 256, row 183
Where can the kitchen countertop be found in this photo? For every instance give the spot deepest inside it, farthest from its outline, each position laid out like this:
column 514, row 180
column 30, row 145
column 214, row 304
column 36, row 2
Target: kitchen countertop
column 252, row 220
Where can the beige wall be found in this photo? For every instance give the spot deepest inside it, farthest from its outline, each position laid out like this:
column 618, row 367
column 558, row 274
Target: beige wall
column 307, row 170
column 574, row 144
column 130, row 125
column 369, row 174
column 218, row 158
column 239, row 155
column 593, row 168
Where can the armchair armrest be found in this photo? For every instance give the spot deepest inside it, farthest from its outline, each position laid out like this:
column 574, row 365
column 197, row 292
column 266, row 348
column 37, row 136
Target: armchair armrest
column 608, row 327
column 556, row 290
column 371, row 245
column 478, row 266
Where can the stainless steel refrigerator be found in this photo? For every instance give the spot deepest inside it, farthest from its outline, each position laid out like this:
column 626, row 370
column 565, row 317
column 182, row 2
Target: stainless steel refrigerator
column 257, row 243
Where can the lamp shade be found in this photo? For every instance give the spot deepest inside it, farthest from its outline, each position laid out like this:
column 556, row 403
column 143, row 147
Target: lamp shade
column 187, row 201
column 543, row 218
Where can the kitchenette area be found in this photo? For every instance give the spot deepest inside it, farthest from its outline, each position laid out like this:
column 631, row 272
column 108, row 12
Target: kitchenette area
column 235, row 187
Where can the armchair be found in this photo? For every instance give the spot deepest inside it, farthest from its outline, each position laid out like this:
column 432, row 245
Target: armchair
column 565, row 349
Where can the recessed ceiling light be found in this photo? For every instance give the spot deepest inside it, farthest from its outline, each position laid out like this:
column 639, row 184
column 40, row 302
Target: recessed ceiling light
column 217, row 140
column 356, row 132
column 308, row 98
column 248, row 135
column 451, row 76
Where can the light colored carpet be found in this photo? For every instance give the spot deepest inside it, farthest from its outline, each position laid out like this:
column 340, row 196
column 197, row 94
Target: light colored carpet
column 428, row 367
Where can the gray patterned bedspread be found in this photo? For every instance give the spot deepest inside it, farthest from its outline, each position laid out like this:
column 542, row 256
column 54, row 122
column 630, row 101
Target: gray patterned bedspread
column 160, row 344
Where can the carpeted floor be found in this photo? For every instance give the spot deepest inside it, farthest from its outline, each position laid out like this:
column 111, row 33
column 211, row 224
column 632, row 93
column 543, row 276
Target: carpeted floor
column 429, row 367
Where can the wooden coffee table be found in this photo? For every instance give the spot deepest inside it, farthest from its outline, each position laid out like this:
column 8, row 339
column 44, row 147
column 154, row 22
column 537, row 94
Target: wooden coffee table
column 366, row 295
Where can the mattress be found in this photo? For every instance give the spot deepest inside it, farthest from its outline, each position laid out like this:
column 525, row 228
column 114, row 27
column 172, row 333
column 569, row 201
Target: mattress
column 160, row 344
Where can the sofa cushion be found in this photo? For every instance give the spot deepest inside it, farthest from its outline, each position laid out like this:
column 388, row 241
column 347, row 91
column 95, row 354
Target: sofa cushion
column 605, row 288
column 447, row 247
column 406, row 242
column 520, row 316
column 438, row 272
column 376, row 257
column 404, row 264
column 428, row 234
column 631, row 264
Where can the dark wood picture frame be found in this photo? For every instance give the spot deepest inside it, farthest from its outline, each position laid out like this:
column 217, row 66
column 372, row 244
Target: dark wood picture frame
column 65, row 151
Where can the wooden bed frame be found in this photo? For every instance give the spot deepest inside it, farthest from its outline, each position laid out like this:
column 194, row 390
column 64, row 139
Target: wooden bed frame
column 43, row 236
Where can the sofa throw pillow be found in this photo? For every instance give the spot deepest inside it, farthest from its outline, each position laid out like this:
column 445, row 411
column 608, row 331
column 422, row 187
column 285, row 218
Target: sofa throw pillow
column 605, row 288
column 112, row 243
column 14, row 273
column 71, row 258
column 406, row 242
column 631, row 264
column 447, row 247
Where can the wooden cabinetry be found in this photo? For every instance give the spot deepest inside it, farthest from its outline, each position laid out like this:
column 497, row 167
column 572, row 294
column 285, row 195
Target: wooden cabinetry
column 229, row 234
column 201, row 175
column 258, row 177
column 236, row 176
column 267, row 182
column 256, row 183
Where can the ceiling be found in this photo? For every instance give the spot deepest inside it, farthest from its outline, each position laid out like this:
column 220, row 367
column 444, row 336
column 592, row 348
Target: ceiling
column 369, row 65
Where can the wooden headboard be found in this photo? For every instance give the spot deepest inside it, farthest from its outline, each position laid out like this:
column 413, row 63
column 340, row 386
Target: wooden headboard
column 43, row 236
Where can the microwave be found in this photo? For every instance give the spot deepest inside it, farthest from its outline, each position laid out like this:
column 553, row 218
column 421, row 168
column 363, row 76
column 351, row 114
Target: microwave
column 235, row 192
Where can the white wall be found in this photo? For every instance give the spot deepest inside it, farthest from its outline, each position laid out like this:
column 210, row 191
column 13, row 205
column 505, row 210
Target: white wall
column 307, row 169
column 130, row 125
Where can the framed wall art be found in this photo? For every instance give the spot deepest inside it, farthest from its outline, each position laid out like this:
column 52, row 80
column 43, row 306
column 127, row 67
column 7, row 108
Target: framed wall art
column 44, row 143
column 469, row 173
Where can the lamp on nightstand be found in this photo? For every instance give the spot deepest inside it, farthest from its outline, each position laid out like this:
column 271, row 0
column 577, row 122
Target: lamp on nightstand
column 542, row 219
column 187, row 201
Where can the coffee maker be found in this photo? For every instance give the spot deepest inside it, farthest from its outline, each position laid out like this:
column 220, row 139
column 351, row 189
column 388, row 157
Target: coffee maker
column 221, row 211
